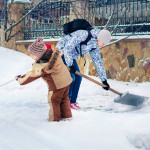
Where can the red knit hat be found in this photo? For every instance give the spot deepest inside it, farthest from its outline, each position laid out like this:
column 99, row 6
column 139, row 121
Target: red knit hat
column 37, row 48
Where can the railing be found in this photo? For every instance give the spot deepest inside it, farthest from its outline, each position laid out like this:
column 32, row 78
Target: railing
column 128, row 16
column 47, row 19
column 121, row 17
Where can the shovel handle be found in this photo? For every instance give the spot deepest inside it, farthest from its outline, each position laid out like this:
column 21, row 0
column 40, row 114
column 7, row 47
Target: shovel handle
column 7, row 82
column 99, row 83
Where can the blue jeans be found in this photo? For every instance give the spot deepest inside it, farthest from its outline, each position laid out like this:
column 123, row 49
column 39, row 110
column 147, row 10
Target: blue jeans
column 75, row 85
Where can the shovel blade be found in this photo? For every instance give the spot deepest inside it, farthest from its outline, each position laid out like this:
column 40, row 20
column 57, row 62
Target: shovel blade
column 130, row 99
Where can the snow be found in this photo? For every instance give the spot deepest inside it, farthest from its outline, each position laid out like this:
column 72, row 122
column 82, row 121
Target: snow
column 45, row 40
column 137, row 36
column 113, row 38
column 100, row 124
column 19, row 1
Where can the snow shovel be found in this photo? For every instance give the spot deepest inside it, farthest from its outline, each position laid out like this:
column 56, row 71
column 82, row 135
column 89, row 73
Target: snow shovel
column 127, row 98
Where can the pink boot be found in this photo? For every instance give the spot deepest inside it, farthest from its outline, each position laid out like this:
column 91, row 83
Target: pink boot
column 76, row 106
column 73, row 107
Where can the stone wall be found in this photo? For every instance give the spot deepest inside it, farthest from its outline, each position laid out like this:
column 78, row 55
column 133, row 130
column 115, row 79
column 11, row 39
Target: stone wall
column 10, row 44
column 128, row 60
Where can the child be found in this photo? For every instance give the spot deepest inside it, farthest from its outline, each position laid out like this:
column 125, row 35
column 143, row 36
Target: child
column 70, row 46
column 49, row 65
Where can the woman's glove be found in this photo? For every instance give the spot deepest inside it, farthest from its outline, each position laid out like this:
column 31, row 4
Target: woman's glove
column 72, row 69
column 105, row 83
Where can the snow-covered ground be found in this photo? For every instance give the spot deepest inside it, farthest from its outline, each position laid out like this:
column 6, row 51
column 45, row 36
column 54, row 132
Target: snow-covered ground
column 100, row 124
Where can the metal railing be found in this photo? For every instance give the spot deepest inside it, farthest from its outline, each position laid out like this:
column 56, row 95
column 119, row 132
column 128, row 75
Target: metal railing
column 128, row 16
column 47, row 19
column 121, row 17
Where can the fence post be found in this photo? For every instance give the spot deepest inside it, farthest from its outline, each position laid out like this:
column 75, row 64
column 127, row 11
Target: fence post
column 5, row 14
column 16, row 12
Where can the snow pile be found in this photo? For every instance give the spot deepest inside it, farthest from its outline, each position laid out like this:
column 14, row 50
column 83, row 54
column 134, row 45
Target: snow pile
column 100, row 124
column 141, row 140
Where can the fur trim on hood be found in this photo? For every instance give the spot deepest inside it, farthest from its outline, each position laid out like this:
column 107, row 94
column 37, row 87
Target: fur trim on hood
column 54, row 59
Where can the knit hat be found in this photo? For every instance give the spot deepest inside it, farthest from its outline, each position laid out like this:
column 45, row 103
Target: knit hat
column 104, row 36
column 37, row 48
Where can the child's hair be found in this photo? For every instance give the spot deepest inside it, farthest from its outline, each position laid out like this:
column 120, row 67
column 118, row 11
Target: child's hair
column 45, row 57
